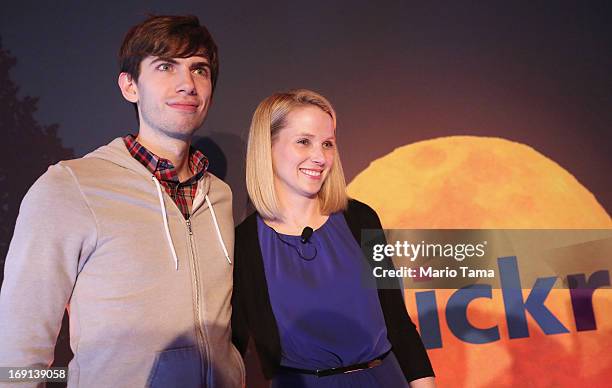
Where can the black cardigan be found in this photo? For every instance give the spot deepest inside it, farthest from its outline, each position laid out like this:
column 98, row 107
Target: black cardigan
column 252, row 313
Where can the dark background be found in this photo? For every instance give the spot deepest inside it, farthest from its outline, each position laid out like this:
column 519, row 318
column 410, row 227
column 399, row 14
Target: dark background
column 397, row 72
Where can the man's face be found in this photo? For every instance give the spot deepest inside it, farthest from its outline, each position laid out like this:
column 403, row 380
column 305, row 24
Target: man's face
column 173, row 95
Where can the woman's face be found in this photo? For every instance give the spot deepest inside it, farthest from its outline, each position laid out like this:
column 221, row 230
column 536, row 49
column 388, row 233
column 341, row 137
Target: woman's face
column 303, row 152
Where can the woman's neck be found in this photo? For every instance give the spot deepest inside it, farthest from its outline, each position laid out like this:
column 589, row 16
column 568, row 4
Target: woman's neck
column 297, row 214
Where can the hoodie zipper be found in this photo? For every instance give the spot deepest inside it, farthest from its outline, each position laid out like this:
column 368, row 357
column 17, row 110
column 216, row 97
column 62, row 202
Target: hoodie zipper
column 202, row 343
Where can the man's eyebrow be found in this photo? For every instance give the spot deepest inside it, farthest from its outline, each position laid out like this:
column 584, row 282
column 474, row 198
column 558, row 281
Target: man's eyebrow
column 196, row 65
column 163, row 59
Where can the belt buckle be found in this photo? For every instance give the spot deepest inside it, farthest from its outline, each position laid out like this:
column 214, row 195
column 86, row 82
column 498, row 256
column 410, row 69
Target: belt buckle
column 368, row 365
column 355, row 370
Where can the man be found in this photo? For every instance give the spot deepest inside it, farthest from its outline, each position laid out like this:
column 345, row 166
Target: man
column 135, row 238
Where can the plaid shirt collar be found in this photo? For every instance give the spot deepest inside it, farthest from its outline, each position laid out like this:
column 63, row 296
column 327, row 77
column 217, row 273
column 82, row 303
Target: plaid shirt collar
column 163, row 169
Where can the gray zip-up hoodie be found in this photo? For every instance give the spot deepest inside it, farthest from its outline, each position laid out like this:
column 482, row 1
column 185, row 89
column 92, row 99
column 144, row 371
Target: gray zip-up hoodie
column 148, row 292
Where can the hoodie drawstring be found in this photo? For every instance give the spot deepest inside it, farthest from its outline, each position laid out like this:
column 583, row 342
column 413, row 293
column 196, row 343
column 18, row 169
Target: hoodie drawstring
column 165, row 217
column 167, row 229
column 214, row 217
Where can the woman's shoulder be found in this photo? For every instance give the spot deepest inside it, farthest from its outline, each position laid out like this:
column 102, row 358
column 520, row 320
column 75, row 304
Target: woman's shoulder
column 248, row 225
column 246, row 242
column 359, row 209
column 359, row 216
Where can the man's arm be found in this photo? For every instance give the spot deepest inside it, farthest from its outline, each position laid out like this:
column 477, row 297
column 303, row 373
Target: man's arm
column 55, row 231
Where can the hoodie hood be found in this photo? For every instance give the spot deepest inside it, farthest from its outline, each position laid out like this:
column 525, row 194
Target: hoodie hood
column 117, row 153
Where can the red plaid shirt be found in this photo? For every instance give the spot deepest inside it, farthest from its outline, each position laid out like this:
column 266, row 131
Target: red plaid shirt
column 182, row 193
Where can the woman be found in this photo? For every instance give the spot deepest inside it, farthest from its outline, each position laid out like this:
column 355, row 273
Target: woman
column 300, row 293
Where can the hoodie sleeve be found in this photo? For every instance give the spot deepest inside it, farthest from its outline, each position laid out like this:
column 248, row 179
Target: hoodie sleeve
column 55, row 231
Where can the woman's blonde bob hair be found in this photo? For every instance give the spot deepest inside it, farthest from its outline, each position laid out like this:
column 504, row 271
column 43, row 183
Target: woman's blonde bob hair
column 269, row 119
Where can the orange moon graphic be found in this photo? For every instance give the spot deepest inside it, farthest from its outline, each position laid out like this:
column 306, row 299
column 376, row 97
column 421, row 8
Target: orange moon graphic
column 478, row 183
column 475, row 182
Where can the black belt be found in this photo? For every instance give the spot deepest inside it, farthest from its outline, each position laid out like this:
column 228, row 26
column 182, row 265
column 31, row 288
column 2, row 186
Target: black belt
column 342, row 369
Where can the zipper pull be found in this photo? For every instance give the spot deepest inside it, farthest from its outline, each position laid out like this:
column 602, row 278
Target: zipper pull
column 189, row 227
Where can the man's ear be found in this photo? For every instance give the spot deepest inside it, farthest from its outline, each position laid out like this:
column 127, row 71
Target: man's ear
column 128, row 87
